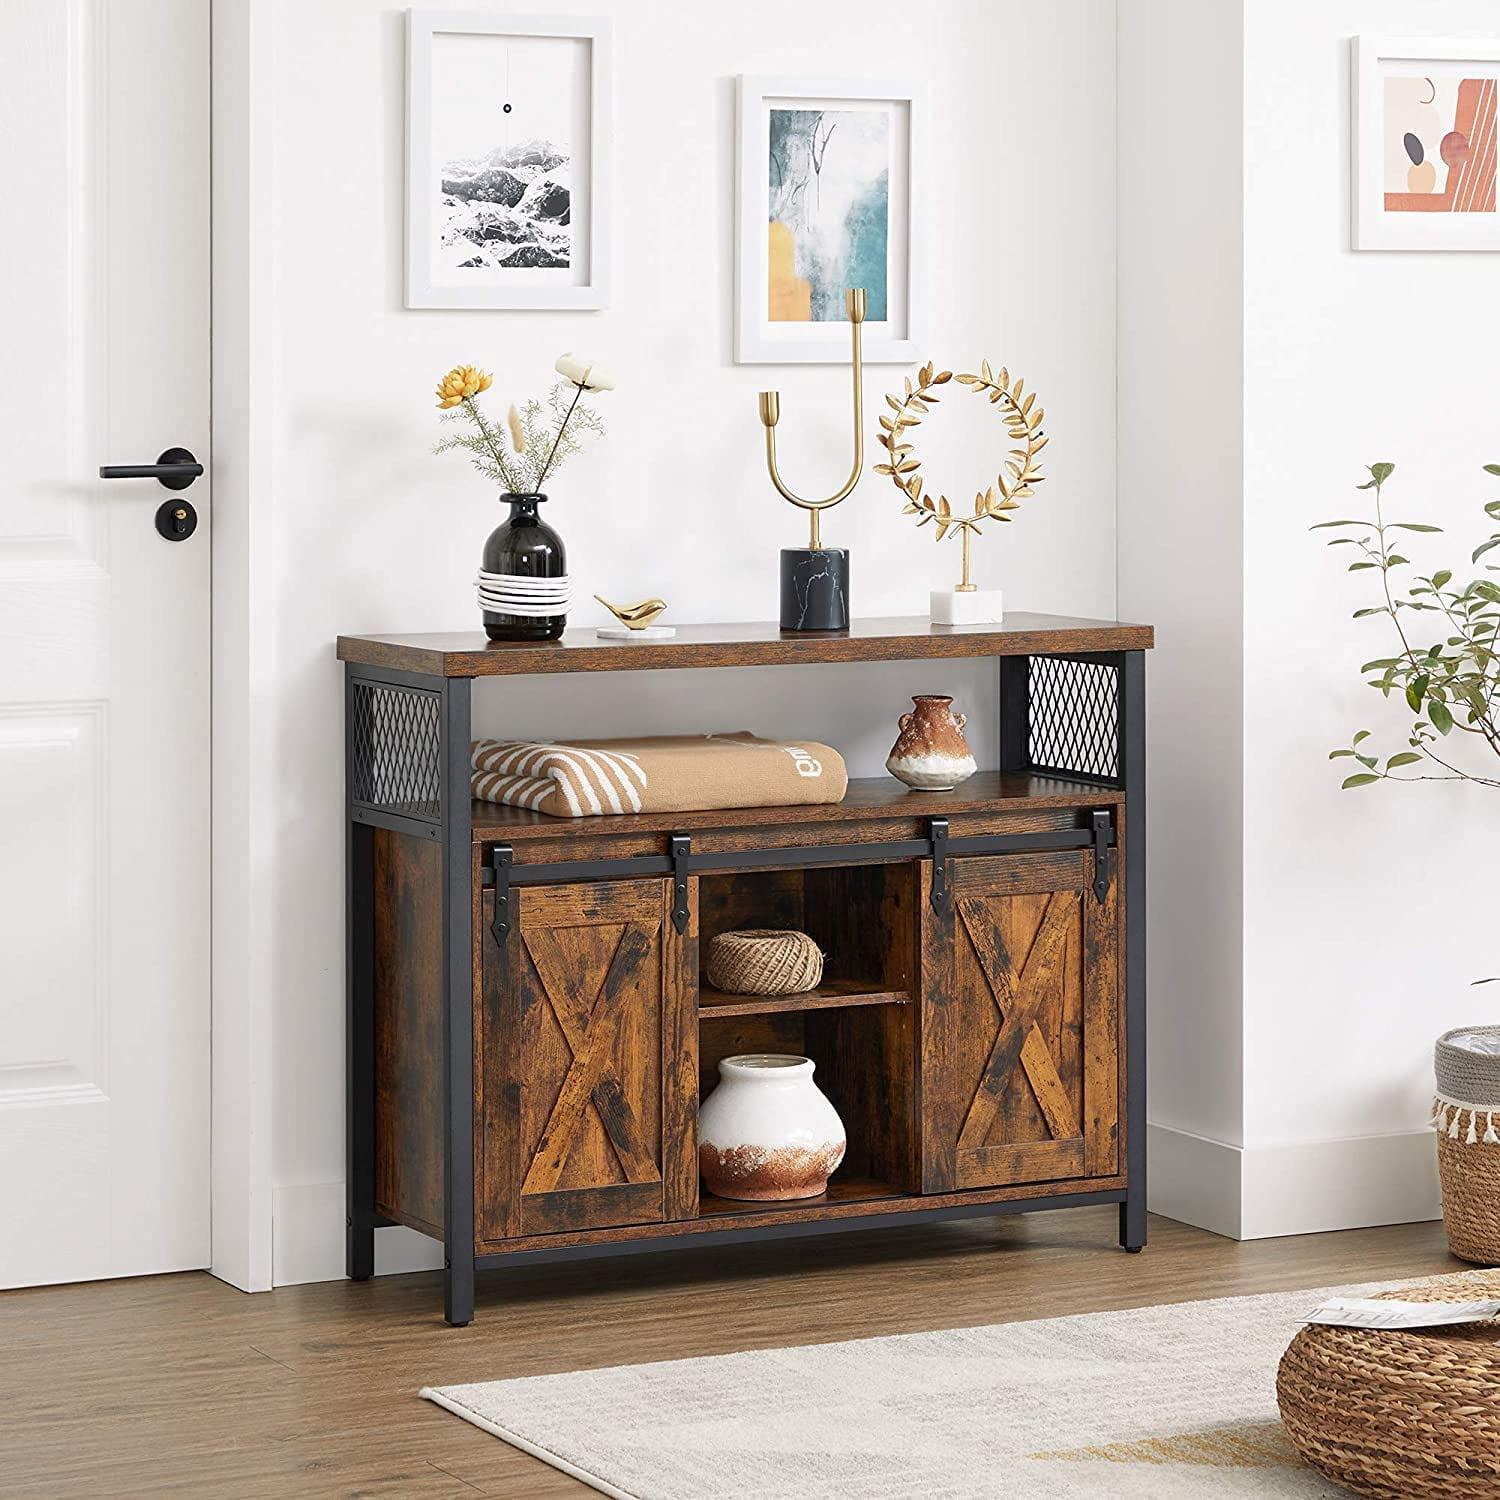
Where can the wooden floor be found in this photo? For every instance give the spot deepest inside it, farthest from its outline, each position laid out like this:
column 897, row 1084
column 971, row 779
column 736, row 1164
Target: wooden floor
column 181, row 1385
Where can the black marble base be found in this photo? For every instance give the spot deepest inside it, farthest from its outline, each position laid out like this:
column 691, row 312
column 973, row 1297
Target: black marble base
column 814, row 588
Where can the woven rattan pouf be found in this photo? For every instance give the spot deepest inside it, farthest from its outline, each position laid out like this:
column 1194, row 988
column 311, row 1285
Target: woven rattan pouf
column 1400, row 1414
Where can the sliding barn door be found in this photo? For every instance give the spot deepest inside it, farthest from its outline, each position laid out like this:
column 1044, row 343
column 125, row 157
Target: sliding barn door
column 588, row 1063
column 1020, row 1025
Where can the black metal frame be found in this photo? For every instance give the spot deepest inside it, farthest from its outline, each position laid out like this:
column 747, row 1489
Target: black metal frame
column 1022, row 711
column 681, row 863
column 452, row 828
column 1019, row 706
column 359, row 1050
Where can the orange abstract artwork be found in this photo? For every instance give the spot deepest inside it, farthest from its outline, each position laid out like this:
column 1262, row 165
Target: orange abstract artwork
column 790, row 294
column 1440, row 144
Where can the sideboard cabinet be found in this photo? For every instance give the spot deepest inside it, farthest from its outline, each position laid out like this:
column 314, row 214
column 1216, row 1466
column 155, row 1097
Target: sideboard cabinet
column 530, row 1034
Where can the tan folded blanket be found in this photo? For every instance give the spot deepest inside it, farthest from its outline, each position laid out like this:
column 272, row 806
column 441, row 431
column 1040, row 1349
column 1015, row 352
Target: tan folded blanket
column 668, row 773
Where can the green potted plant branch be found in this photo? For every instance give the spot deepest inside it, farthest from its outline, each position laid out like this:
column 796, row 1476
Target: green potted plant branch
column 1446, row 671
column 1451, row 683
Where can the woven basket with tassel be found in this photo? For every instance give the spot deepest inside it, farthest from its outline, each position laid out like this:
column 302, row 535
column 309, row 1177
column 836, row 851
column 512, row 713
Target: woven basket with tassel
column 1465, row 1111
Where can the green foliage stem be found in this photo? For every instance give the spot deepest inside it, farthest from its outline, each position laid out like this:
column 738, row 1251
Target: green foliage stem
column 1450, row 684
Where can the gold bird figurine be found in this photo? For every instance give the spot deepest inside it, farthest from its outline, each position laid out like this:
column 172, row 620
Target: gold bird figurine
column 634, row 616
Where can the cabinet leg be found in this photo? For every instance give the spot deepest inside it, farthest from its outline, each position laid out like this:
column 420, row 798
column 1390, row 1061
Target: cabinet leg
column 359, row 1250
column 359, row 1124
column 1132, row 755
column 458, row 1009
column 458, row 1291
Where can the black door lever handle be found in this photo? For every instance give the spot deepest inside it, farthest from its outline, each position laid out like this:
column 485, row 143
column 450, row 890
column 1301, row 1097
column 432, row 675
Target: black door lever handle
column 176, row 469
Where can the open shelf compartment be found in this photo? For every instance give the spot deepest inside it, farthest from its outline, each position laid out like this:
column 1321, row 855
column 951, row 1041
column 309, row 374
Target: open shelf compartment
column 865, row 1059
column 858, row 1027
column 863, row 917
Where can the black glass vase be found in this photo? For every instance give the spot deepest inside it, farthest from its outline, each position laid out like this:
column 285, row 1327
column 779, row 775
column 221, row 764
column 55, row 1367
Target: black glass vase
column 524, row 547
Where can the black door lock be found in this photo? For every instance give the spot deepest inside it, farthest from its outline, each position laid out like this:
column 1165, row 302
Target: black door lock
column 176, row 520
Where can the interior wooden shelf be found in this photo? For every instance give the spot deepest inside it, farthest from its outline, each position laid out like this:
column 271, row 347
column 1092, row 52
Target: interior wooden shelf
column 850, row 1190
column 867, row 797
column 830, row 995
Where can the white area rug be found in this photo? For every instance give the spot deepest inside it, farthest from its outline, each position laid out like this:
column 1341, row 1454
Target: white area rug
column 1167, row 1402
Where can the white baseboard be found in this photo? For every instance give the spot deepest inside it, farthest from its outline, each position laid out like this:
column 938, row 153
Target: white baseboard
column 1354, row 1183
column 307, row 1242
column 1193, row 1180
column 1306, row 1187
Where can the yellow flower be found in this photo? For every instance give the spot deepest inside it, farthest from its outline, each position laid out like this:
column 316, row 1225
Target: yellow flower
column 461, row 382
column 517, row 432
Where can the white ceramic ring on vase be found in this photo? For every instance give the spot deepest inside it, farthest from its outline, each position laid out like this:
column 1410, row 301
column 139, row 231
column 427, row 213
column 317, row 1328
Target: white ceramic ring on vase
column 521, row 584
column 514, row 594
column 767, row 1133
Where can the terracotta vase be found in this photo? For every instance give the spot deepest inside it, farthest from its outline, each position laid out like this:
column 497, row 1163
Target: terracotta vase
column 931, row 753
column 767, row 1132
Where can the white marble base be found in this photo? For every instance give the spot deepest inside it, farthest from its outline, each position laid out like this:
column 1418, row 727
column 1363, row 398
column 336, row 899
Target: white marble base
column 645, row 633
column 977, row 607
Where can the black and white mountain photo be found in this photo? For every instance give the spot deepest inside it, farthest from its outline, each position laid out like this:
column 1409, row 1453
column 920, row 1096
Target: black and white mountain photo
column 509, row 122
column 511, row 207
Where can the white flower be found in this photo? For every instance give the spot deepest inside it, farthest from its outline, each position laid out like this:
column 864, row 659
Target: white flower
column 517, row 432
column 585, row 372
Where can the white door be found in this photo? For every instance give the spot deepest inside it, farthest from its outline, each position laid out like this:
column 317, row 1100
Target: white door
column 104, row 643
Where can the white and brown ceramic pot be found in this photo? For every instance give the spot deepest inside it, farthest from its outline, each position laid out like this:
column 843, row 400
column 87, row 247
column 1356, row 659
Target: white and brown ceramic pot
column 931, row 753
column 767, row 1132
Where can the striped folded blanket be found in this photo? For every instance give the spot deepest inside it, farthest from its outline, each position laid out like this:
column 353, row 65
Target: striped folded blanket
column 666, row 773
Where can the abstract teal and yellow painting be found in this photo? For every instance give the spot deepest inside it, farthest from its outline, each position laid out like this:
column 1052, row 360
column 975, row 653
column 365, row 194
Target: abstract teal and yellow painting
column 829, row 212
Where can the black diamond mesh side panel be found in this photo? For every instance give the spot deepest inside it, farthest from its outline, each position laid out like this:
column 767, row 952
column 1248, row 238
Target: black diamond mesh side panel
column 397, row 733
column 1075, row 717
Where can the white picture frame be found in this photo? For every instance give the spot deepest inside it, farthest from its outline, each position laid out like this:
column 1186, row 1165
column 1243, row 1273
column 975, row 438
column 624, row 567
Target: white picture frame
column 481, row 87
column 890, row 339
column 1387, row 219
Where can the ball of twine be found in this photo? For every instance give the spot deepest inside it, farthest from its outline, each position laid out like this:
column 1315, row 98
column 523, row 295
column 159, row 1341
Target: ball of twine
column 764, row 962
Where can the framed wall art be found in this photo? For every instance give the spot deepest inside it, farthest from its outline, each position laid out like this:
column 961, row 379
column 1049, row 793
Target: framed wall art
column 1424, row 137
column 507, row 170
column 828, row 189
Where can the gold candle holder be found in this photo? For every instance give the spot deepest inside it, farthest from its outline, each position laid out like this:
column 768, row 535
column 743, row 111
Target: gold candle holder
column 770, row 415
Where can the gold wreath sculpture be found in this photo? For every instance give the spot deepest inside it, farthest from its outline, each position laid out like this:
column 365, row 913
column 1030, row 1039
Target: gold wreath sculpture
column 1016, row 481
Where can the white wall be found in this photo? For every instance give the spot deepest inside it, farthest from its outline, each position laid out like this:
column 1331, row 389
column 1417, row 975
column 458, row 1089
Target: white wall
column 1364, row 919
column 1324, row 937
column 369, row 532
column 1180, row 514
column 1307, row 944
